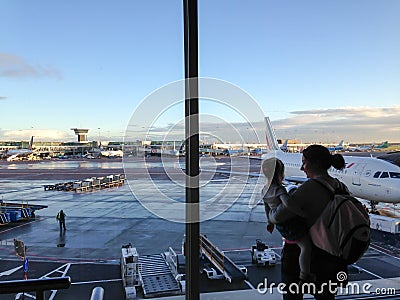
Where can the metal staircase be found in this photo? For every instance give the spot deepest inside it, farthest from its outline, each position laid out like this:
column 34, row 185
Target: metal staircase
column 156, row 276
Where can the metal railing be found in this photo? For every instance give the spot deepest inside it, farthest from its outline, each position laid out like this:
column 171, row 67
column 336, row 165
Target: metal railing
column 35, row 285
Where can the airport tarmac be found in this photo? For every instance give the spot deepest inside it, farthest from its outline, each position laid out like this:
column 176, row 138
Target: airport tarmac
column 100, row 222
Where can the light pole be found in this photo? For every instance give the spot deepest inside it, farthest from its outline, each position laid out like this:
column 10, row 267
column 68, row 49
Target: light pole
column 98, row 141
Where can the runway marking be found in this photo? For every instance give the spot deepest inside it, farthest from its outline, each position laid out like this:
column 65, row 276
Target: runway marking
column 63, row 273
column 7, row 230
column 73, row 260
column 384, row 251
column 53, row 292
column 375, row 247
column 9, row 272
column 365, row 270
column 25, row 295
column 249, row 284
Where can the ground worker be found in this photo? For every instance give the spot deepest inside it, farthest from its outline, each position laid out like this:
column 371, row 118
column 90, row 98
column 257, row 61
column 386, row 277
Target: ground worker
column 61, row 219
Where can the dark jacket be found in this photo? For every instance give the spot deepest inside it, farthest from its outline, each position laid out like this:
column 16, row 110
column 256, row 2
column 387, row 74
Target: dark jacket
column 308, row 202
column 61, row 216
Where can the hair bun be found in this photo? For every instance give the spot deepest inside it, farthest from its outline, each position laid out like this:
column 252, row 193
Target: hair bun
column 338, row 161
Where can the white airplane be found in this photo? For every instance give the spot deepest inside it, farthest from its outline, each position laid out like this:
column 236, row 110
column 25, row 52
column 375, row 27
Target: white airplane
column 337, row 147
column 14, row 153
column 369, row 178
column 112, row 153
column 363, row 148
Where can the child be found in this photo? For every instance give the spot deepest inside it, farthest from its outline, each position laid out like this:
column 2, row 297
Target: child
column 294, row 229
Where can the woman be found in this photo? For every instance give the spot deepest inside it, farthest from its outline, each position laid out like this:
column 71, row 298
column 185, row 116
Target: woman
column 308, row 201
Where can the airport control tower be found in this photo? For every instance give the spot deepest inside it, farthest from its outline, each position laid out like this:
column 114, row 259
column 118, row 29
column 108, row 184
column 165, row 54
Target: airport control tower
column 81, row 133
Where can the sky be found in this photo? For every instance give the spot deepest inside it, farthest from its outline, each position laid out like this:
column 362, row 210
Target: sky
column 322, row 71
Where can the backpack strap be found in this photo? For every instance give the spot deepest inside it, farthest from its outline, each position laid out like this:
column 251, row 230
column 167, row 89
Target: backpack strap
column 341, row 189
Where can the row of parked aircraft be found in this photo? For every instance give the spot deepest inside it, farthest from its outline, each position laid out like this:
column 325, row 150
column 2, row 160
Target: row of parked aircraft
column 384, row 145
column 369, row 178
column 340, row 147
column 13, row 154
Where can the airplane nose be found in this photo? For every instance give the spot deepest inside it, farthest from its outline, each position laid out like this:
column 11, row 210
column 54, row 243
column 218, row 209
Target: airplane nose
column 393, row 192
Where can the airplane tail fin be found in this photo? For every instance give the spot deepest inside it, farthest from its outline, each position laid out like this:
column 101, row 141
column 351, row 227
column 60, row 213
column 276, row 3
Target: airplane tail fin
column 341, row 143
column 272, row 143
column 384, row 144
column 31, row 143
column 272, row 149
column 284, row 147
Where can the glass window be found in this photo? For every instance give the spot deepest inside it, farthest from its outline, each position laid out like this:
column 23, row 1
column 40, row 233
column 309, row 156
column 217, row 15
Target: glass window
column 376, row 175
column 394, row 175
column 385, row 175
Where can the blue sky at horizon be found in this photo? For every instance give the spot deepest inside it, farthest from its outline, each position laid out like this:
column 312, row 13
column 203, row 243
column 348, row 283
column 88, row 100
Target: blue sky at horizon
column 321, row 70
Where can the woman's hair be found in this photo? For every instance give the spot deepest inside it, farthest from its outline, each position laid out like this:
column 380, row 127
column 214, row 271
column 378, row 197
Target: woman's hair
column 320, row 158
column 273, row 168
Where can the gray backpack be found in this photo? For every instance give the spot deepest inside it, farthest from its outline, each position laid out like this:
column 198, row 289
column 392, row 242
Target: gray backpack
column 343, row 228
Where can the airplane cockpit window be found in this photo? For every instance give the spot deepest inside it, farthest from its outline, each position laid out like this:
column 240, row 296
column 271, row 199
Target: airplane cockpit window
column 376, row 175
column 394, row 175
column 385, row 175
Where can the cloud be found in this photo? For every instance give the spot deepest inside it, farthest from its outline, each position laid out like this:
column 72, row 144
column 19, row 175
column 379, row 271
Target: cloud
column 39, row 134
column 356, row 125
column 3, row 98
column 211, row 129
column 12, row 66
column 353, row 124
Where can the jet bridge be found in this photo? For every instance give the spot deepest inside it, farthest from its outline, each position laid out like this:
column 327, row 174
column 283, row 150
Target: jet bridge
column 226, row 266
